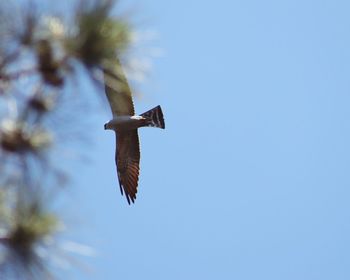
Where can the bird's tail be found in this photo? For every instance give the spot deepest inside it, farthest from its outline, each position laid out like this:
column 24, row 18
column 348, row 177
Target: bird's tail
column 154, row 117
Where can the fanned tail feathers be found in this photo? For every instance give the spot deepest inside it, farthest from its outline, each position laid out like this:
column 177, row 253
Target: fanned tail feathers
column 154, row 117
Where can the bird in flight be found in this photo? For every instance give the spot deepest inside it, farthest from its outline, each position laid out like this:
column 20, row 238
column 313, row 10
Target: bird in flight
column 125, row 124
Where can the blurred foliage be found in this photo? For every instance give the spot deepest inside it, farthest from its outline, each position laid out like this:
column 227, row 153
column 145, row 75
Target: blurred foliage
column 39, row 55
column 25, row 225
column 98, row 36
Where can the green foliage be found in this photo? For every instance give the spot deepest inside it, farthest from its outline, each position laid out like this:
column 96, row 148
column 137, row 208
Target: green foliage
column 29, row 225
column 98, row 37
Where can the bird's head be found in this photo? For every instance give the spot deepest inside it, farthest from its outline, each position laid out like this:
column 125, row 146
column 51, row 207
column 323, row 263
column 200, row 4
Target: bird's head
column 107, row 125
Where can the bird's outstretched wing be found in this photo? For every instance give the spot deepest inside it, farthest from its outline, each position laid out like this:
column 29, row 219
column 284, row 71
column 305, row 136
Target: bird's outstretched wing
column 118, row 91
column 127, row 158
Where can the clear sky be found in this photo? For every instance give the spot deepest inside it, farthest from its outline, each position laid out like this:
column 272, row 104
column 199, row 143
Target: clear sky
column 250, row 180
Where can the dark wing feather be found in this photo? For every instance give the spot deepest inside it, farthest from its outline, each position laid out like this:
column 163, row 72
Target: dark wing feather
column 128, row 161
column 118, row 91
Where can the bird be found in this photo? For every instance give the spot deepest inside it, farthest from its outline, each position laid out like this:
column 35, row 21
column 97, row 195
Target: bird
column 125, row 124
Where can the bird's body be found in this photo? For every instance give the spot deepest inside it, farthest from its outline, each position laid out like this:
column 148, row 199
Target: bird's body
column 125, row 124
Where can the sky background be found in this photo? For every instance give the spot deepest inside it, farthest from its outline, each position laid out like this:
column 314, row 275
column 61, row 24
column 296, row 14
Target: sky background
column 250, row 180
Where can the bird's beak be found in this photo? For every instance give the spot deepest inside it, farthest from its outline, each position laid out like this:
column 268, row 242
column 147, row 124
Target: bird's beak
column 105, row 126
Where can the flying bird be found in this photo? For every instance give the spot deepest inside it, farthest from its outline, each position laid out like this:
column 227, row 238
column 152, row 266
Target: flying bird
column 125, row 124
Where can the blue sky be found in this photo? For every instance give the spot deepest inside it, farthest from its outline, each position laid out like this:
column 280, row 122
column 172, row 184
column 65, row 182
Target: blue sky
column 250, row 180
